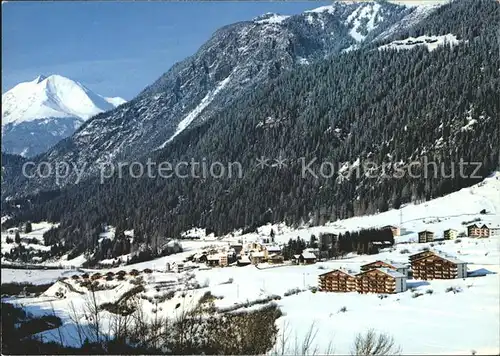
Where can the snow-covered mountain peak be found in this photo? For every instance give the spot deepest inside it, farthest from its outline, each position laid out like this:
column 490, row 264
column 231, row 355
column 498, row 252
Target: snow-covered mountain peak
column 52, row 96
column 39, row 113
column 39, row 78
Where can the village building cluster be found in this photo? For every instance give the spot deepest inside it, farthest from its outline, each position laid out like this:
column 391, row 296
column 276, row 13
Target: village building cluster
column 473, row 231
column 387, row 277
column 263, row 250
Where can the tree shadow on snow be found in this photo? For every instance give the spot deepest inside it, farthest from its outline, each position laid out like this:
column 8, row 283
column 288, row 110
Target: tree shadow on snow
column 416, row 284
column 481, row 272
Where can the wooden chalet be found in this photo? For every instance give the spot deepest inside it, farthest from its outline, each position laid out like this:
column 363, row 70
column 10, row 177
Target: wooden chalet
column 438, row 267
column 450, row 234
column 401, row 268
column 275, row 258
column 257, row 257
column 425, row 236
column 476, row 231
column 396, row 231
column 271, row 250
column 337, row 281
column 307, row 258
column 380, row 280
column 425, row 253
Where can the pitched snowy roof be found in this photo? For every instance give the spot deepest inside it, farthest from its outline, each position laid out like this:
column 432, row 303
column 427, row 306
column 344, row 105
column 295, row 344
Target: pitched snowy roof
column 308, row 255
column 393, row 264
column 452, row 259
column 391, row 272
column 273, row 248
column 348, row 272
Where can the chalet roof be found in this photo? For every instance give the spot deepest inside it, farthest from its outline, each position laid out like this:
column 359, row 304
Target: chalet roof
column 421, row 232
column 397, row 264
column 213, row 257
column 484, row 226
column 308, row 255
column 296, row 256
column 393, row 264
column 472, row 226
column 273, row 248
column 390, row 226
column 244, row 259
column 444, row 257
column 450, row 230
column 391, row 272
column 349, row 273
column 453, row 259
column 422, row 252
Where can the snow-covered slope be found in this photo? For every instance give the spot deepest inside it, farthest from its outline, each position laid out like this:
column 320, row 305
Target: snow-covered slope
column 431, row 42
column 335, row 317
column 47, row 110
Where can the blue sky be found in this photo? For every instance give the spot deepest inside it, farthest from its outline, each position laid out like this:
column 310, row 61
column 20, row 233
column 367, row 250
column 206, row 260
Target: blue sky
column 114, row 48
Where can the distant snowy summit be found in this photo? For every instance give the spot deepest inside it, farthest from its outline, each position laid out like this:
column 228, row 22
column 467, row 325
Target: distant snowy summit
column 51, row 97
column 38, row 114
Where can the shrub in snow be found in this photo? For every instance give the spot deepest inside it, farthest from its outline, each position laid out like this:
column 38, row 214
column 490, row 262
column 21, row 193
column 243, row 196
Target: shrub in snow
column 453, row 289
column 416, row 295
column 405, row 250
column 313, row 289
column 343, row 309
column 372, row 343
column 429, row 291
column 457, row 241
column 207, row 298
column 229, row 281
column 292, row 292
column 321, row 267
column 382, row 296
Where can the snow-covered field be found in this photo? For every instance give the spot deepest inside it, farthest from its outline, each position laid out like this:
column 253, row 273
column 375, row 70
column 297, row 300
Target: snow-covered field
column 434, row 323
column 431, row 42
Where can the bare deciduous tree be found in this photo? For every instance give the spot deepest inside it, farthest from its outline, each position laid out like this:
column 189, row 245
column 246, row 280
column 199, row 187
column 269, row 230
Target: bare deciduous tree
column 372, row 343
